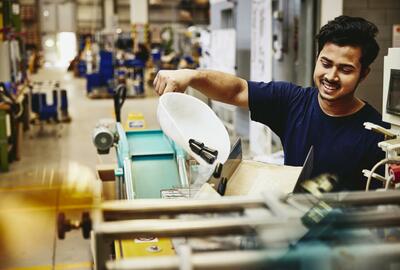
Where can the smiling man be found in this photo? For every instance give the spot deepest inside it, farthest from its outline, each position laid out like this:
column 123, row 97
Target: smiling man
column 329, row 116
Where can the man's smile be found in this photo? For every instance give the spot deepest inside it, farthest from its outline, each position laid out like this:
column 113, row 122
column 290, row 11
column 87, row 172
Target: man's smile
column 329, row 86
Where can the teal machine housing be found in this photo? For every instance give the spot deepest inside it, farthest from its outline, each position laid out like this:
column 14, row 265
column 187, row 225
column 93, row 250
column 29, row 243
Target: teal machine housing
column 148, row 162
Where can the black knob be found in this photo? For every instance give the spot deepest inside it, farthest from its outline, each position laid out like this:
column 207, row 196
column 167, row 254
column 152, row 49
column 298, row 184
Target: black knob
column 218, row 170
column 86, row 225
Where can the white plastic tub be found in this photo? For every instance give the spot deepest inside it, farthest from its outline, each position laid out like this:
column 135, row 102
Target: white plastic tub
column 183, row 117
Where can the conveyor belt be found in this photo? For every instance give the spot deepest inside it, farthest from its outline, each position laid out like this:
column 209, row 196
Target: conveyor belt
column 153, row 163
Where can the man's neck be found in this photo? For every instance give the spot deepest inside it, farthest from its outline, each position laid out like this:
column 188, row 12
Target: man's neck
column 341, row 107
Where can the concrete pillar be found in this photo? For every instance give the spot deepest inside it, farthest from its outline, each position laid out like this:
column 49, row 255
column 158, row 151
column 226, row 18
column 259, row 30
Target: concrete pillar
column 139, row 12
column 330, row 10
column 108, row 6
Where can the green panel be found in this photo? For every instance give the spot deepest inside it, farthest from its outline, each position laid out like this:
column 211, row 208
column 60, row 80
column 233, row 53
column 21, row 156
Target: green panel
column 7, row 13
column 12, row 15
column 16, row 16
column 154, row 165
column 150, row 175
column 148, row 142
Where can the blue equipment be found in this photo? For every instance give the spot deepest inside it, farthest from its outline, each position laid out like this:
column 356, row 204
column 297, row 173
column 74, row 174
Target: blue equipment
column 105, row 75
column 44, row 110
column 138, row 66
column 82, row 68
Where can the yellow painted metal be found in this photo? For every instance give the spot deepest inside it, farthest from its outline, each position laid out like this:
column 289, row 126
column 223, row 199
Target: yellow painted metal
column 117, row 245
column 139, row 248
column 81, row 265
column 135, row 121
column 29, row 201
column 70, row 186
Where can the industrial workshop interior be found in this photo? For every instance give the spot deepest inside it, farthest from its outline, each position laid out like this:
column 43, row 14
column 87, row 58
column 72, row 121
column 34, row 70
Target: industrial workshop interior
column 199, row 134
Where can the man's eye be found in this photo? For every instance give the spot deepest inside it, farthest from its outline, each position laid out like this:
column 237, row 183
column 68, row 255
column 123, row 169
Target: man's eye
column 347, row 70
column 325, row 64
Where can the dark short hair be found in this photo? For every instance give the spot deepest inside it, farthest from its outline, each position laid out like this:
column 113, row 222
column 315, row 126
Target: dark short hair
column 351, row 31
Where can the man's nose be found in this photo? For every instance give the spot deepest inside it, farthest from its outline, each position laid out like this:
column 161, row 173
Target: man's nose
column 331, row 75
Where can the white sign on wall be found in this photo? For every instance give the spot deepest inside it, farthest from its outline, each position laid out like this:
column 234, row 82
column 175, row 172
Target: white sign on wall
column 205, row 44
column 261, row 41
column 223, row 50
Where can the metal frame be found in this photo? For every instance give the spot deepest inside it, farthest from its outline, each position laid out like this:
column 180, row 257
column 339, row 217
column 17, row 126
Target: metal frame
column 114, row 220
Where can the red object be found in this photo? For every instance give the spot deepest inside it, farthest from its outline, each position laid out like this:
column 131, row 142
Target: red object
column 395, row 171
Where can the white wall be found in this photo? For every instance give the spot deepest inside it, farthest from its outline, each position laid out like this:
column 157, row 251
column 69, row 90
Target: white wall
column 56, row 16
column 330, row 9
column 108, row 14
column 139, row 11
column 48, row 17
column 66, row 17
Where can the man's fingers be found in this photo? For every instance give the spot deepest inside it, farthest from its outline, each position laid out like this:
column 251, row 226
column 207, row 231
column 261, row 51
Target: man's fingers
column 155, row 80
column 159, row 82
column 170, row 87
column 158, row 86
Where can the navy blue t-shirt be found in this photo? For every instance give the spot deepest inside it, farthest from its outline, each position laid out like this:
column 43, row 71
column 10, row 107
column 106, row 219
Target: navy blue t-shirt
column 342, row 146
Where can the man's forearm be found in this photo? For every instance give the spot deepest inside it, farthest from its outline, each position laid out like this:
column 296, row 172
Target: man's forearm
column 221, row 86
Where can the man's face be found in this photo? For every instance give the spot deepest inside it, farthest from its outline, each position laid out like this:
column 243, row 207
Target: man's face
column 337, row 71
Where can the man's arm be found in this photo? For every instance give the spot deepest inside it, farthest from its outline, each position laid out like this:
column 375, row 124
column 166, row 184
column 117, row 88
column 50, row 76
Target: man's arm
column 214, row 84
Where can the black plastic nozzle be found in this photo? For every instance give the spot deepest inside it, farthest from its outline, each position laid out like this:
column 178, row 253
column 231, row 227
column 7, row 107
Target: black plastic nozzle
column 211, row 151
column 210, row 158
column 206, row 153
column 194, row 142
column 195, row 148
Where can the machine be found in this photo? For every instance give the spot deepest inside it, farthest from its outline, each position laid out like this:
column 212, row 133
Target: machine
column 349, row 230
column 148, row 161
column 391, row 115
column 353, row 230
column 277, row 230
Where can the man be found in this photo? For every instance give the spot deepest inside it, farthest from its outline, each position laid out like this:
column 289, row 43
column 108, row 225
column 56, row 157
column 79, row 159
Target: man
column 329, row 116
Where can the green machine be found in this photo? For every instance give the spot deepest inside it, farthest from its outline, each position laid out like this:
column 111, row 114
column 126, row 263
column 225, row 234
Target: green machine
column 11, row 11
column 149, row 163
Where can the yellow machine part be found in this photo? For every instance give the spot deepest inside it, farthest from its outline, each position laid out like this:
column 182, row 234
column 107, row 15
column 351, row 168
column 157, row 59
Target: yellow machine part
column 134, row 248
column 135, row 121
column 32, row 203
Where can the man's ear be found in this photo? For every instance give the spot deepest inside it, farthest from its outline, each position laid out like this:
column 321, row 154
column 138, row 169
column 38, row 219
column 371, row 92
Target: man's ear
column 364, row 73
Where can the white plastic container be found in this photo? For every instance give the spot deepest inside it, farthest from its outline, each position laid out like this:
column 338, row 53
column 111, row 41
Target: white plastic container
column 183, row 117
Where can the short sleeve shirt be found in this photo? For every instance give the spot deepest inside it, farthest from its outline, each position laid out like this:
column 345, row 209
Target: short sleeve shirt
column 342, row 146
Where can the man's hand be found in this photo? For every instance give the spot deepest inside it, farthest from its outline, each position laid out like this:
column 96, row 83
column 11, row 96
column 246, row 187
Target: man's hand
column 173, row 80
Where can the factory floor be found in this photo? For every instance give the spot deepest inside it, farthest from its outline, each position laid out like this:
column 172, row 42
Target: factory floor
column 55, row 174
